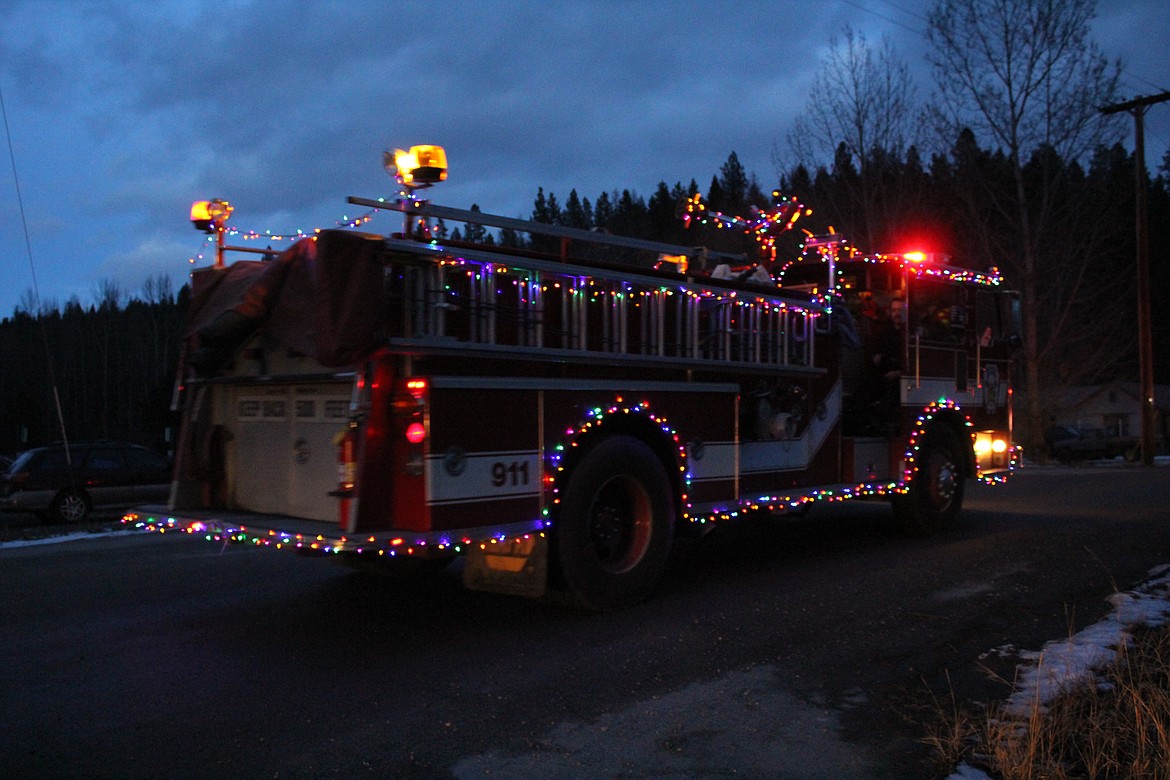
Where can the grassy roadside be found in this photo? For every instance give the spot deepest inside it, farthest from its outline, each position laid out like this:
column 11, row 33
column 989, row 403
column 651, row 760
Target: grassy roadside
column 1113, row 726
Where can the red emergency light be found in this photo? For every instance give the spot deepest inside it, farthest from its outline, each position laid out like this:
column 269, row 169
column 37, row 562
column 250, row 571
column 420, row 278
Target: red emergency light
column 416, row 433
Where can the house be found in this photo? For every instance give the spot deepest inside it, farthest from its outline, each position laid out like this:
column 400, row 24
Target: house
column 1114, row 407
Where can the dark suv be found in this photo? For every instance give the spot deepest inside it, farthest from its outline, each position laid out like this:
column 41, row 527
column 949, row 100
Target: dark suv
column 101, row 475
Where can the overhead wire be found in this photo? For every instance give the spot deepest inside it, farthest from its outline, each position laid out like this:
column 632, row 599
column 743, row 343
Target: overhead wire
column 861, row 7
column 1126, row 73
column 35, row 289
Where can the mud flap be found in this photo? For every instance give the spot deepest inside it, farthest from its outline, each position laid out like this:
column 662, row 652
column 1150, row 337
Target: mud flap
column 517, row 567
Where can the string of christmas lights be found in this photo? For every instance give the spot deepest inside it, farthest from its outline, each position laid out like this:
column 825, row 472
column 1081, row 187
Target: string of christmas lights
column 766, row 226
column 440, row 544
column 594, row 419
column 344, row 223
column 418, row 546
column 797, row 500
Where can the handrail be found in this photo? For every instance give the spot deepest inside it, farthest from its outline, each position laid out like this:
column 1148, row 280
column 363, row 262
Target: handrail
column 427, row 209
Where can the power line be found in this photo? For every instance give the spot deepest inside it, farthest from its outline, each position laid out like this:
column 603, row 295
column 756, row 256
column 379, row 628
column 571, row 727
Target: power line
column 20, row 205
column 883, row 17
column 36, row 293
column 906, row 11
column 1127, row 73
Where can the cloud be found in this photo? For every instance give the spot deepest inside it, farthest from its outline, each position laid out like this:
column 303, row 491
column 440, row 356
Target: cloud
column 122, row 114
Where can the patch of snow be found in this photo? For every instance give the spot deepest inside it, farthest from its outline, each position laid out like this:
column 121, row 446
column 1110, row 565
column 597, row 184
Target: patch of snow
column 1061, row 664
column 72, row 537
column 1064, row 663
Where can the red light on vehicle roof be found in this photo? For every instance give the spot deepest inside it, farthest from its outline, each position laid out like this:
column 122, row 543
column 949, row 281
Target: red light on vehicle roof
column 416, row 384
column 915, row 257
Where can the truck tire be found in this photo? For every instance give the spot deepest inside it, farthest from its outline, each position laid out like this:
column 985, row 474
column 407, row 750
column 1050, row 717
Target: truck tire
column 69, row 506
column 935, row 495
column 616, row 526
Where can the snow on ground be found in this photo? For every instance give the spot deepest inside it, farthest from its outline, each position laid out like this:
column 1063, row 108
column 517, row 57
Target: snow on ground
column 70, row 537
column 1063, row 663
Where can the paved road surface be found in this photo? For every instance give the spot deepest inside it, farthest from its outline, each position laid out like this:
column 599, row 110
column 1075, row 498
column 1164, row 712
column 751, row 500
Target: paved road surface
column 811, row 649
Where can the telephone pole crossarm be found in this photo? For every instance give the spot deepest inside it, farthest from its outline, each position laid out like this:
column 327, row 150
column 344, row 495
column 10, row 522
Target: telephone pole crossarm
column 1140, row 102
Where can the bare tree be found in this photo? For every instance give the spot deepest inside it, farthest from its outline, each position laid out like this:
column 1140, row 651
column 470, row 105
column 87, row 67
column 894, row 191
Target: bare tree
column 1024, row 76
column 158, row 289
column 108, row 295
column 862, row 104
column 34, row 306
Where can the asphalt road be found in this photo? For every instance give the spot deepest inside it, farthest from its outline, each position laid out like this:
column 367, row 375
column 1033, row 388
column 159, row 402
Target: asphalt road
column 815, row 648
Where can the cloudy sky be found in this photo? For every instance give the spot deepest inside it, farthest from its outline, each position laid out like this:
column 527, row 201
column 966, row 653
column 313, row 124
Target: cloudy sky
column 121, row 114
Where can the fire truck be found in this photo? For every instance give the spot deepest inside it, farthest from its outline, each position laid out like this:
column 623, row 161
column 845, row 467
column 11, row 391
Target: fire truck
column 557, row 418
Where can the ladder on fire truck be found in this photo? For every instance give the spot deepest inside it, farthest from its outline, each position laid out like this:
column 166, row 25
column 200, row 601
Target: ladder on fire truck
column 454, row 297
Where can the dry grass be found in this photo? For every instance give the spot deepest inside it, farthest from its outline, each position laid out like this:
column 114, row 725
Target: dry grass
column 1117, row 726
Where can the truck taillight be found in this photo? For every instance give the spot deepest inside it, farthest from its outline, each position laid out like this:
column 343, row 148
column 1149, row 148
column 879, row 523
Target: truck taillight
column 411, row 408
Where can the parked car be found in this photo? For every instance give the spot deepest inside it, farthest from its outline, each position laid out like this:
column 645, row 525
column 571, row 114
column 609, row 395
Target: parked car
column 1072, row 445
column 67, row 486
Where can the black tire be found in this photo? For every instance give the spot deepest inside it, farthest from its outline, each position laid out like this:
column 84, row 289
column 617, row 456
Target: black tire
column 70, row 506
column 616, row 526
column 935, row 496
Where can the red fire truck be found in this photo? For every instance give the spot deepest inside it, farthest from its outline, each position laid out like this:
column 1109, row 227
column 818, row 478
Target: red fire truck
column 558, row 418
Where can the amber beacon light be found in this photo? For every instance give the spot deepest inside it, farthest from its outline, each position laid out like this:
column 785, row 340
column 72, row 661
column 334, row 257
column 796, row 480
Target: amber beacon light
column 209, row 216
column 417, row 167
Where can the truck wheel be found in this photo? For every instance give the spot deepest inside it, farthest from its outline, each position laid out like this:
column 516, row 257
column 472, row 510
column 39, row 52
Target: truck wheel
column 616, row 526
column 936, row 493
column 70, row 506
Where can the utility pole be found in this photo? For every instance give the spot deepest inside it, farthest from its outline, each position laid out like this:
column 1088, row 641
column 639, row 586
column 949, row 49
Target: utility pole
column 1138, row 107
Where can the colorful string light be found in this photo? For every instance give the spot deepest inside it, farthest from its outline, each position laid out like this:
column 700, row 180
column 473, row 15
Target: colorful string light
column 437, row 544
column 441, row 544
column 800, row 499
column 344, row 223
column 766, row 226
column 593, row 420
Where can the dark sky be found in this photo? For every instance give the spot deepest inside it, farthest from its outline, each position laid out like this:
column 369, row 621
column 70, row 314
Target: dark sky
column 121, row 115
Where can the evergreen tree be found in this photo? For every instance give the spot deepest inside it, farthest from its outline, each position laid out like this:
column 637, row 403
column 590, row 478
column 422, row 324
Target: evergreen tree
column 510, row 238
column 603, row 212
column 474, row 232
column 715, row 196
column 733, row 185
column 630, row 216
column 575, row 215
column 662, row 216
column 555, row 215
column 546, row 211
